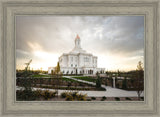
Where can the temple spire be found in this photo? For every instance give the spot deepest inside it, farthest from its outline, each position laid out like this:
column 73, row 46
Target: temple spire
column 77, row 37
column 77, row 42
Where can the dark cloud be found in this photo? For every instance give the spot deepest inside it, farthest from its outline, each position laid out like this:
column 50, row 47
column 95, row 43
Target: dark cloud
column 120, row 34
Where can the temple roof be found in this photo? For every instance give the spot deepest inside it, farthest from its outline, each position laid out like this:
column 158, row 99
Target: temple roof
column 77, row 49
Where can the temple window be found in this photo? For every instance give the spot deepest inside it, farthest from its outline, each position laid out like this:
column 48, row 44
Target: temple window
column 71, row 58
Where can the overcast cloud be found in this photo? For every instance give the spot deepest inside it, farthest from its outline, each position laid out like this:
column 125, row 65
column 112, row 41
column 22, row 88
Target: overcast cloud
column 118, row 41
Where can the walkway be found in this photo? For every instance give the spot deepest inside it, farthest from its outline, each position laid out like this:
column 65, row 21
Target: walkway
column 110, row 92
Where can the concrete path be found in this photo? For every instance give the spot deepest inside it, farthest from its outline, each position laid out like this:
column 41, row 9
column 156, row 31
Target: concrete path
column 110, row 92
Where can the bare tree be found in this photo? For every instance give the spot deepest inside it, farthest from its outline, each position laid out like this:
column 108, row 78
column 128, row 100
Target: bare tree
column 139, row 79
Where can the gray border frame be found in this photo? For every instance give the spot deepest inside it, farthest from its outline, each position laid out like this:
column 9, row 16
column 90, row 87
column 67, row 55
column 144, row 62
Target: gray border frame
column 10, row 8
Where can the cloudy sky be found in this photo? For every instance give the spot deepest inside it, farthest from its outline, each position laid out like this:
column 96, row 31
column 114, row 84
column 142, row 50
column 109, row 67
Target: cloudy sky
column 118, row 41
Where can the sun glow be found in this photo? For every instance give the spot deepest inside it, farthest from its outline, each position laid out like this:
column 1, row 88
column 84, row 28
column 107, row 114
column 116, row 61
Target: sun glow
column 42, row 60
column 114, row 62
column 45, row 60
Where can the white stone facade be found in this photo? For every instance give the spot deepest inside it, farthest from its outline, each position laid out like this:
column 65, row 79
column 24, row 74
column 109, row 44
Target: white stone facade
column 78, row 61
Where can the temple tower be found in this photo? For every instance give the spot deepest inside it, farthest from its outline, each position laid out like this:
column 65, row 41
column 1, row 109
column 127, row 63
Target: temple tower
column 77, row 42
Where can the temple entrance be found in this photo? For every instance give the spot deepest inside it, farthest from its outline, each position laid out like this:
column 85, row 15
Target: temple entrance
column 90, row 71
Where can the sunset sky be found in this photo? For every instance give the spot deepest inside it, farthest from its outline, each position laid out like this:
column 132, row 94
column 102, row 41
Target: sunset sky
column 118, row 41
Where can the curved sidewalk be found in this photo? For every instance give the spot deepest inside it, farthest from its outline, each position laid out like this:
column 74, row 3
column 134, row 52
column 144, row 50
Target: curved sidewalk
column 110, row 92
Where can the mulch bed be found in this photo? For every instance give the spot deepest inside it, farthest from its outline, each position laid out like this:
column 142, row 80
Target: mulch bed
column 113, row 99
column 96, row 99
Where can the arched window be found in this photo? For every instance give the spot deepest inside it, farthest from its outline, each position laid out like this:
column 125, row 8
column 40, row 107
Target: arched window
column 67, row 72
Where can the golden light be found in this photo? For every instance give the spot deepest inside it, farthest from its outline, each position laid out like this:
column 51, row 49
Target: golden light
column 44, row 60
column 114, row 62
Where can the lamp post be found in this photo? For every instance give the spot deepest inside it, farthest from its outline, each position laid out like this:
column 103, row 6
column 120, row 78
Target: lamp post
column 114, row 81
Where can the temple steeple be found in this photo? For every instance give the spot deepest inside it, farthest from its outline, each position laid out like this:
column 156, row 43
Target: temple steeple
column 77, row 48
column 77, row 42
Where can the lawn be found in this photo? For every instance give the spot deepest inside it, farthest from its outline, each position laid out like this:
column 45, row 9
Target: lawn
column 86, row 78
column 66, row 79
column 71, row 80
column 40, row 75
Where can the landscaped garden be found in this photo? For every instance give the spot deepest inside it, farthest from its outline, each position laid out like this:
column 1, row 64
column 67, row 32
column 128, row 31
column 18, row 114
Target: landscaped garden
column 46, row 95
column 56, row 87
column 57, row 83
column 86, row 78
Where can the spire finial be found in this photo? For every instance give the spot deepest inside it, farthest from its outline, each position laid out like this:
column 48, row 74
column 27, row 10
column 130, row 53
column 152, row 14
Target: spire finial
column 77, row 42
column 77, row 37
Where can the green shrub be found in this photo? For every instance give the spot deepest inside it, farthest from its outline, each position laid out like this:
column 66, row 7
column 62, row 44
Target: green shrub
column 46, row 94
column 93, row 98
column 101, row 89
column 53, row 94
column 74, row 95
column 98, row 81
column 88, row 99
column 124, row 84
column 69, row 98
column 38, row 93
column 26, row 95
column 81, row 97
column 127, row 98
column 63, row 95
column 117, row 98
column 104, row 98
column 142, row 98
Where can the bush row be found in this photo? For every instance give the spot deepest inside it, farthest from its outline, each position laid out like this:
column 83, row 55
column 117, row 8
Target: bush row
column 28, row 95
column 73, row 96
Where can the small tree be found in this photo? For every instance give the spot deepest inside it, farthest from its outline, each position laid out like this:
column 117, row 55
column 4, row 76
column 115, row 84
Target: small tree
column 58, row 76
column 26, row 80
column 27, row 93
column 124, row 83
column 139, row 79
column 98, row 81
column 57, row 69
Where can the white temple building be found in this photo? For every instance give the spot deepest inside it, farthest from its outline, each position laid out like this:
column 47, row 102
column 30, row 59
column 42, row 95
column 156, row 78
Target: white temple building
column 78, row 61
